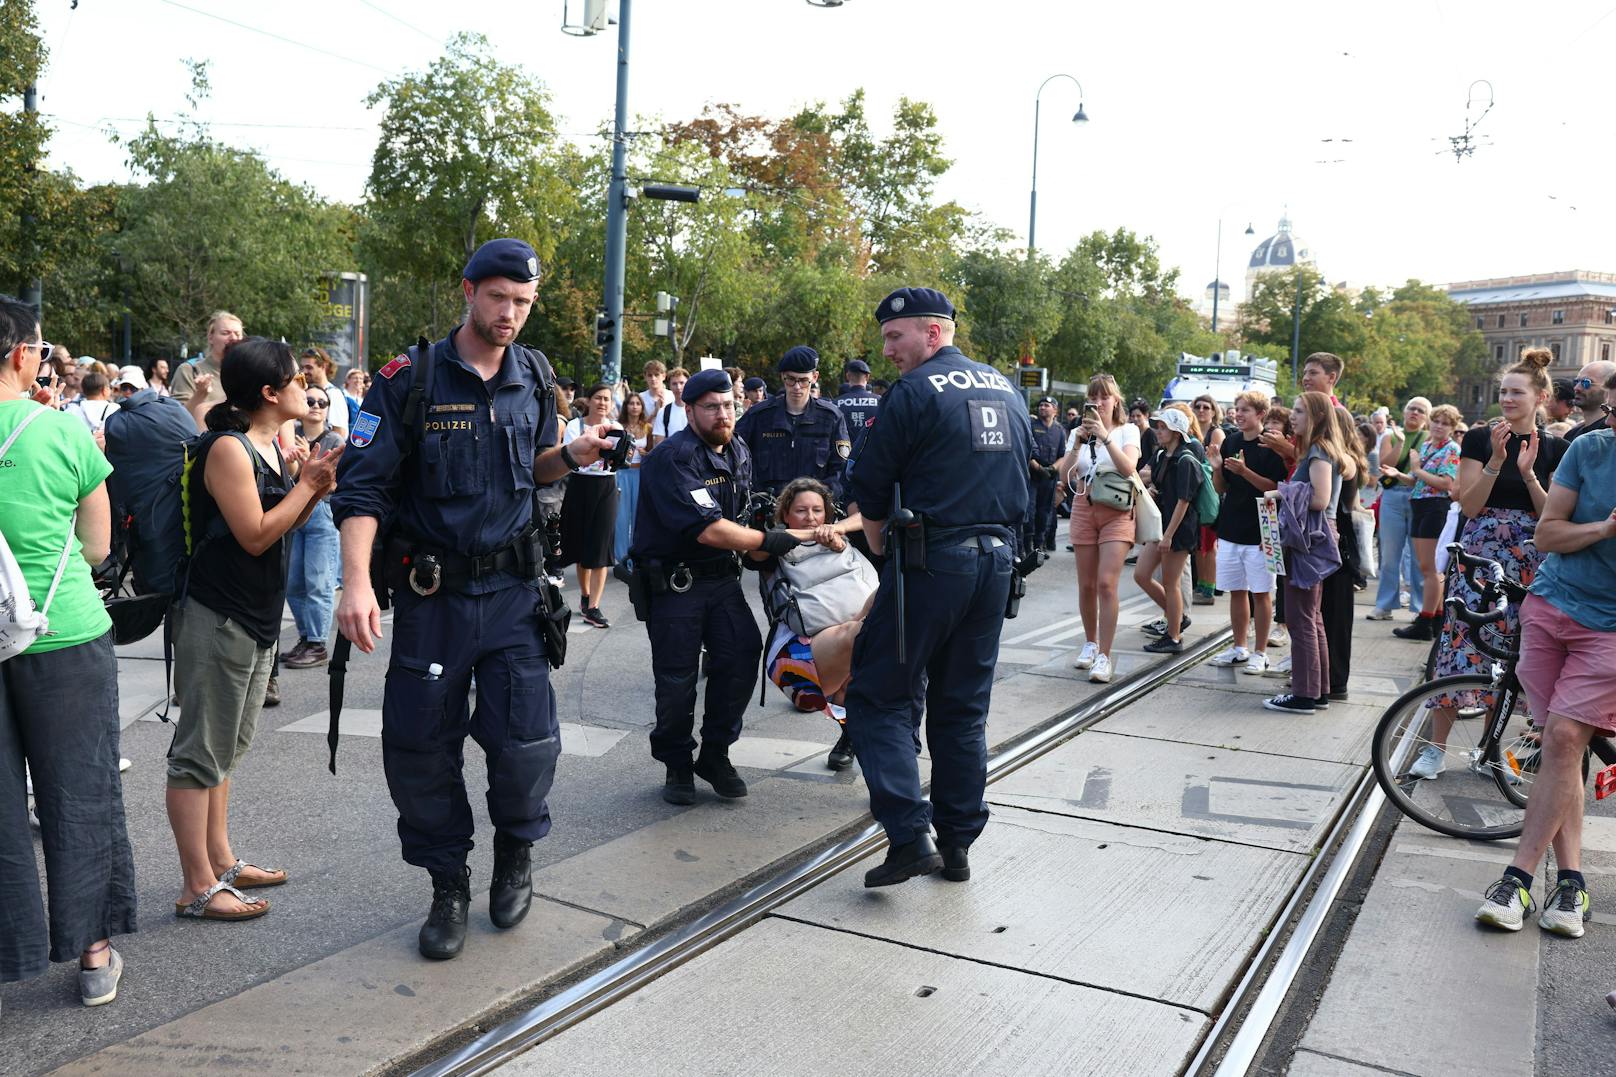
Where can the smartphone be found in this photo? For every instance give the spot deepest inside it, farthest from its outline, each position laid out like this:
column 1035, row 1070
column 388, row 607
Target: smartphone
column 1095, row 408
column 45, row 380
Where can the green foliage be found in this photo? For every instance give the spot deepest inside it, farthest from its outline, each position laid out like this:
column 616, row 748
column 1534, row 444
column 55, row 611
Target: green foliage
column 22, row 142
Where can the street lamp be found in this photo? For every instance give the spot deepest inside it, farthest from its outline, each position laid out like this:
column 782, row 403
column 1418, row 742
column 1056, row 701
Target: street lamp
column 1217, row 276
column 1079, row 117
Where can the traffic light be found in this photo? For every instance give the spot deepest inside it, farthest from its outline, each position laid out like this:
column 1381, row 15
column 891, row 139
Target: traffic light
column 605, row 330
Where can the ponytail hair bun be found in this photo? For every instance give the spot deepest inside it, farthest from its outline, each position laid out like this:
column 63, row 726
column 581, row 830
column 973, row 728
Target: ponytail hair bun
column 1533, row 365
column 1537, row 357
column 225, row 417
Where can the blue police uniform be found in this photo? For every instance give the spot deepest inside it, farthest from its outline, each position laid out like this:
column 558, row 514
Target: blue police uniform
column 954, row 433
column 466, row 491
column 685, row 486
column 786, row 446
column 858, row 404
column 1048, row 446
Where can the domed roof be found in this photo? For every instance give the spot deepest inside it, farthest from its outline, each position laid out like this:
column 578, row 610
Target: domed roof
column 1281, row 250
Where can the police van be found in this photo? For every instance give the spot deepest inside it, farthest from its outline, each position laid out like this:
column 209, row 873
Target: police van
column 1222, row 376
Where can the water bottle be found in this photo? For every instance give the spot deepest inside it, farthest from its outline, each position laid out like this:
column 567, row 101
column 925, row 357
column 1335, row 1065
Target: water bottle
column 434, row 671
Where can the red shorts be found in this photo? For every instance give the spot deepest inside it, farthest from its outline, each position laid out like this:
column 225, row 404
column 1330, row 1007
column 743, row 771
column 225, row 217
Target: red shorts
column 1094, row 524
column 1565, row 668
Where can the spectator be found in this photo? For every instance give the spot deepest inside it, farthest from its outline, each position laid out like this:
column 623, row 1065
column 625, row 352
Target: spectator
column 93, row 407
column 224, row 329
column 1432, row 483
column 1320, row 373
column 656, row 394
column 1568, row 649
column 1048, row 446
column 1277, row 438
column 1559, row 429
column 1139, row 415
column 156, row 376
column 353, row 393
column 1243, row 471
column 1592, row 385
column 671, row 419
column 70, row 371
column 1178, row 477
column 131, row 380
column 589, row 512
column 1562, row 401
column 318, row 370
column 243, row 502
column 1071, row 418
column 637, row 425
column 1103, row 449
column 1398, row 561
column 314, row 548
column 566, row 391
column 1339, row 587
column 1503, row 482
column 59, row 697
column 1209, row 430
column 737, row 381
column 1310, row 499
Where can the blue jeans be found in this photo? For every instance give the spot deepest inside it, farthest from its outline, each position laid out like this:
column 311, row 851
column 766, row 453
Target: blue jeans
column 628, row 498
column 1397, row 551
column 311, row 574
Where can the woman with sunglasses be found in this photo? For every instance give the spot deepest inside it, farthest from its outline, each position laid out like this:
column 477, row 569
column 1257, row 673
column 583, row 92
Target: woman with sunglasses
column 314, row 547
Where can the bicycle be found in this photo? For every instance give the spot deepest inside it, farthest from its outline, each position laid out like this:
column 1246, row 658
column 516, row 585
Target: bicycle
column 1495, row 746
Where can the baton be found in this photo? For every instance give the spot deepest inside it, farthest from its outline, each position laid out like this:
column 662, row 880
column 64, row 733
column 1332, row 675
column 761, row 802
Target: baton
column 897, row 524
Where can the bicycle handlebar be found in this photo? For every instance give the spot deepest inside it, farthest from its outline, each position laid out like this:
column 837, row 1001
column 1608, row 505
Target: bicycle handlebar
column 1478, row 619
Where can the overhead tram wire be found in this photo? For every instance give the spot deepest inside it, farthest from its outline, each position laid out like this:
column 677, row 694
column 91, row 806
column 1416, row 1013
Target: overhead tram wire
column 378, row 9
column 279, row 37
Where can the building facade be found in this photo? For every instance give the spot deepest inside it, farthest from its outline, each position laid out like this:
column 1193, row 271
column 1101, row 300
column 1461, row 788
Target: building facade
column 1573, row 314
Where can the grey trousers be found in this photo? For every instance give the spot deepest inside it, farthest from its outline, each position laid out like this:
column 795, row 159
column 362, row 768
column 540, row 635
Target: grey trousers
column 59, row 714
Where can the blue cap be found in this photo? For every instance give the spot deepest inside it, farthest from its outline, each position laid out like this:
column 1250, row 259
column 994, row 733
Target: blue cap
column 914, row 303
column 856, row 366
column 754, row 383
column 703, row 382
column 799, row 360
column 503, row 258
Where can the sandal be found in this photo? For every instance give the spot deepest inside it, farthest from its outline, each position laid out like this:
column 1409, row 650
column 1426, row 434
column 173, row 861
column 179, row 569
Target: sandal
column 200, row 910
column 264, row 878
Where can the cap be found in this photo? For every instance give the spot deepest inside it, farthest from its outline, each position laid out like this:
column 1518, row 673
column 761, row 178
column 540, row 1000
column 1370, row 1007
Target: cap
column 566, row 382
column 754, row 383
column 131, row 375
column 914, row 303
column 503, row 258
column 1564, row 390
column 706, row 381
column 1174, row 420
column 799, row 360
column 1050, row 401
column 856, row 366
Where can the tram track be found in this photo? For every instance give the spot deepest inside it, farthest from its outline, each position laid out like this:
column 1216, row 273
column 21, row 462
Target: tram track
column 1231, row 1046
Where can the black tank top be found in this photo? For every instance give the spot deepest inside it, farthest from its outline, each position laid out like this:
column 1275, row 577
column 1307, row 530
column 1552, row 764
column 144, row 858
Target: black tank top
column 226, row 578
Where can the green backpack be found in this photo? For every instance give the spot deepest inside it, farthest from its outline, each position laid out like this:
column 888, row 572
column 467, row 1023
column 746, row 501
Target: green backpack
column 1207, row 498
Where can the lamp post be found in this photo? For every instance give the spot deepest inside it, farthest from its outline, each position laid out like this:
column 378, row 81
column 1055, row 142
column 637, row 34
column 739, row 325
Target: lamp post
column 1079, row 117
column 1217, row 276
column 1296, row 327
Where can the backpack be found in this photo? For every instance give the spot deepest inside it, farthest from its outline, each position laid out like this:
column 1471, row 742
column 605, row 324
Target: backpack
column 1207, row 499
column 147, row 445
column 815, row 587
column 21, row 622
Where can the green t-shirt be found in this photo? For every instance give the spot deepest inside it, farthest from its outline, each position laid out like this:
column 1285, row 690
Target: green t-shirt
column 52, row 465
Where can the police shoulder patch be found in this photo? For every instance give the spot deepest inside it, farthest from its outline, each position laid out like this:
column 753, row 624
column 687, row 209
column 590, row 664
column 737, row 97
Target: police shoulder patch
column 364, row 428
column 844, row 448
column 393, row 367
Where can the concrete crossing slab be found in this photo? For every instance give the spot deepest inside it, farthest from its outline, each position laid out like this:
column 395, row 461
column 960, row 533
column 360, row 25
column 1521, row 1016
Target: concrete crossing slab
column 777, row 1001
column 1197, row 714
column 1162, row 916
column 1279, row 802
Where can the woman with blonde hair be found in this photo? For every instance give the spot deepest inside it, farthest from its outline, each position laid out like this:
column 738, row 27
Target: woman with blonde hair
column 1432, row 483
column 1209, row 426
column 1102, row 458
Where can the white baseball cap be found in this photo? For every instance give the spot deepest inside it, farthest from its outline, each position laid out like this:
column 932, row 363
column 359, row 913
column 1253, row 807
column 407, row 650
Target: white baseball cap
column 131, row 375
column 1174, row 420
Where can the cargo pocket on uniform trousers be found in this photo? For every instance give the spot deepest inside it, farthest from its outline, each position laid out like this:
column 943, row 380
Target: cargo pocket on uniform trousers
column 522, row 775
column 419, row 751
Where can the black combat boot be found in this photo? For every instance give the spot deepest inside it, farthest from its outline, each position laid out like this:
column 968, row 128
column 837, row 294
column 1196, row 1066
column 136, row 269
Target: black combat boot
column 918, row 857
column 841, row 755
column 956, row 862
column 680, row 786
column 714, row 768
column 512, row 893
column 444, row 933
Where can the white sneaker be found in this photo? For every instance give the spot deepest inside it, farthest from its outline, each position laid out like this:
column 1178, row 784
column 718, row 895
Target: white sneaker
column 1378, row 614
column 1402, row 601
column 1085, row 657
column 1282, row 668
column 1506, row 906
column 1234, row 656
column 1101, row 673
column 1429, row 764
column 1277, row 636
column 1256, row 664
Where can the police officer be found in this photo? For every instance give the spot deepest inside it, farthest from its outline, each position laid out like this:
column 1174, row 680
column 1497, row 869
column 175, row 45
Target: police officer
column 687, row 587
column 954, row 438
column 857, row 401
column 457, row 506
column 755, row 391
column 796, row 434
column 1048, row 446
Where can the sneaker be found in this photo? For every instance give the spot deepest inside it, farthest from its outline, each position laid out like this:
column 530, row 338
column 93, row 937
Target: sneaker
column 1321, row 703
column 1203, row 598
column 1423, row 628
column 1163, row 646
column 1290, row 704
column 1158, row 627
column 1566, row 910
column 307, row 656
column 1405, row 603
column 1282, row 668
column 1429, row 764
column 97, row 987
column 1507, row 904
column 1256, row 664
column 1234, row 656
column 1277, row 636
column 1100, row 673
column 1085, row 657
column 1378, row 614
column 593, row 615
column 291, row 656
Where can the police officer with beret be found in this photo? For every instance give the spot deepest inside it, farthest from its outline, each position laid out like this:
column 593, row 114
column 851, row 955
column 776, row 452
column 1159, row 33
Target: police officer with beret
column 953, row 441
column 796, row 434
column 1048, row 446
column 449, row 485
column 686, row 587
column 857, row 401
column 754, row 390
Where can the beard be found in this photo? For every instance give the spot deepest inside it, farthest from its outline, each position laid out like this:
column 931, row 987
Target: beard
column 715, row 436
column 491, row 334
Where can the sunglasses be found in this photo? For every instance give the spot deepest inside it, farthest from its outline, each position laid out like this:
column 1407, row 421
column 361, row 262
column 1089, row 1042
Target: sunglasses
column 45, row 349
column 317, row 402
column 1607, row 409
column 1582, row 383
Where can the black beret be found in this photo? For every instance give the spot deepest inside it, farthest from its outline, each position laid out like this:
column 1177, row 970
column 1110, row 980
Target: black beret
column 880, row 383
column 754, row 383
column 503, row 258
column 856, row 366
column 566, row 382
column 799, row 360
column 703, row 382
column 914, row 303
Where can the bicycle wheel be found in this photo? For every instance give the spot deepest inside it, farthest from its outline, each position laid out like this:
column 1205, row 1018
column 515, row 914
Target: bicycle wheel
column 1466, row 798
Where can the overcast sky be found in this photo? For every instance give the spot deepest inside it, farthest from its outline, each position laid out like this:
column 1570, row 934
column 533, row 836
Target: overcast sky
column 1195, row 109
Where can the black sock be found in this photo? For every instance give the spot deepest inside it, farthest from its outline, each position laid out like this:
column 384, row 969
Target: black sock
column 1566, row 874
column 1522, row 877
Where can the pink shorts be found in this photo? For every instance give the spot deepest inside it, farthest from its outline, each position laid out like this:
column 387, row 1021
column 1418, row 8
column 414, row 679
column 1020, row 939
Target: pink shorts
column 1094, row 524
column 1565, row 668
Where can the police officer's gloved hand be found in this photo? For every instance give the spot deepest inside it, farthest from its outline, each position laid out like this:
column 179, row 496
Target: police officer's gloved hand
column 778, row 543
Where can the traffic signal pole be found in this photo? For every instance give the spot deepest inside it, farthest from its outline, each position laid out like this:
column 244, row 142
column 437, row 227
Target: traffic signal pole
column 609, row 332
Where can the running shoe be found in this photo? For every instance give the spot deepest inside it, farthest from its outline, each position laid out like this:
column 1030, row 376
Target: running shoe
column 1277, row 636
column 1290, row 704
column 1429, row 763
column 1234, row 656
column 1158, row 627
column 593, row 615
column 1507, row 904
column 1378, row 614
column 1164, row 645
column 1100, row 672
column 1085, row 657
column 1256, row 664
column 1566, row 910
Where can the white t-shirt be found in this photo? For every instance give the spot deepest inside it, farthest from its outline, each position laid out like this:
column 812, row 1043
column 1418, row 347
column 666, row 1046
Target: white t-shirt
column 573, row 432
column 1095, row 457
column 650, row 400
column 93, row 412
column 669, row 421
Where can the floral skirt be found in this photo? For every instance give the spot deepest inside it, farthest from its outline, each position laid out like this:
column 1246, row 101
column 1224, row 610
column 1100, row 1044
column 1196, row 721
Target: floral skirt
column 1504, row 535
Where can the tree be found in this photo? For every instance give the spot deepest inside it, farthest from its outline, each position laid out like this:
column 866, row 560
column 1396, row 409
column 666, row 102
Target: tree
column 1330, row 321
column 22, row 142
column 1007, row 304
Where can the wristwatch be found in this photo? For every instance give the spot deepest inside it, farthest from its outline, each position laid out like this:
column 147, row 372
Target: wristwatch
column 566, row 458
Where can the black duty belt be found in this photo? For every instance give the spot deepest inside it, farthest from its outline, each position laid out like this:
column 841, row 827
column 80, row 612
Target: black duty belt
column 681, row 574
column 429, row 571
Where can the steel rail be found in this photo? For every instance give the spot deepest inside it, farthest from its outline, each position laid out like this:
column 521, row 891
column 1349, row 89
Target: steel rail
column 632, row 972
